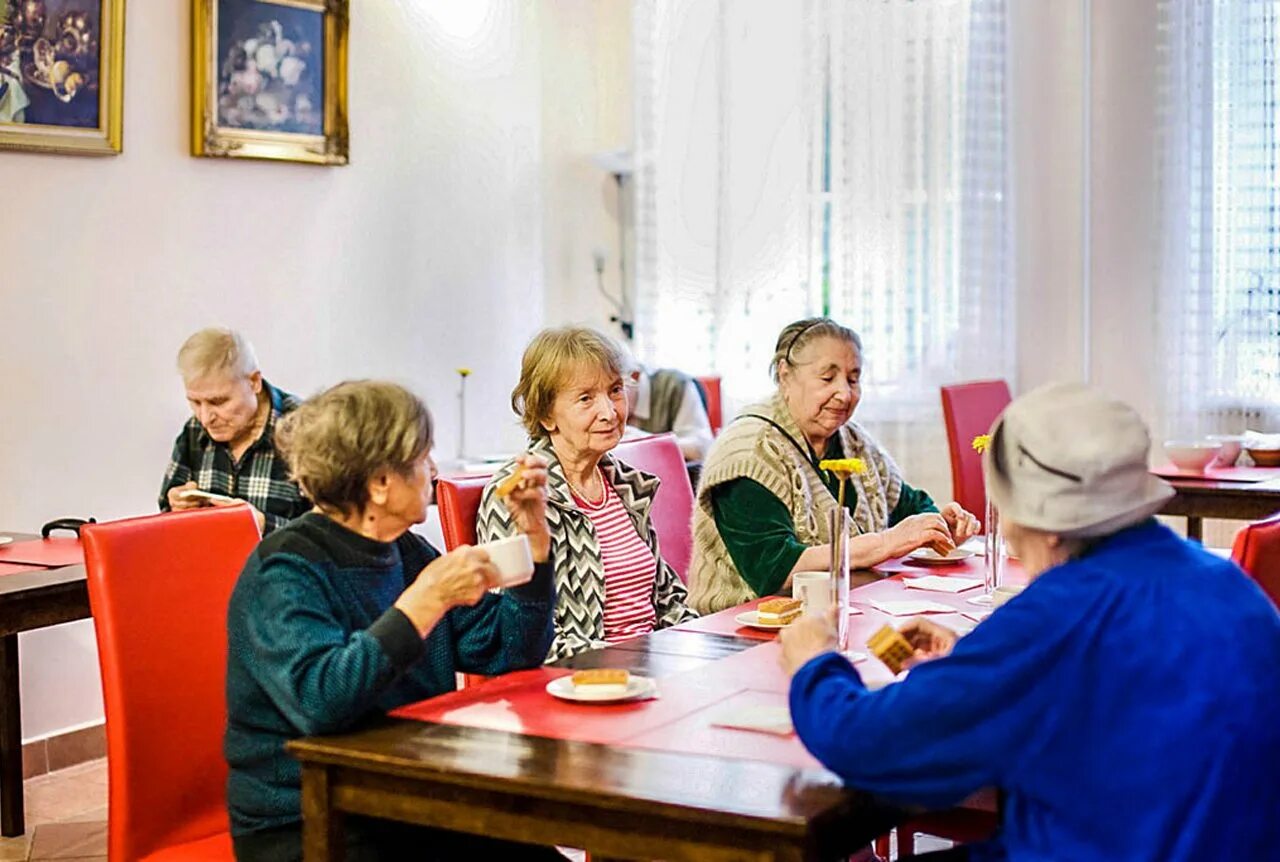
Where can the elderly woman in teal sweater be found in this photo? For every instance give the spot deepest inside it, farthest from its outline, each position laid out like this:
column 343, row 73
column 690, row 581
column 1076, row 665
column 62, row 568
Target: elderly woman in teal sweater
column 343, row 615
column 764, row 500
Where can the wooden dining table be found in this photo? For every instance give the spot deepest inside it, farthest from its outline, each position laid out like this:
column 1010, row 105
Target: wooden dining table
column 1200, row 498
column 32, row 596
column 650, row 779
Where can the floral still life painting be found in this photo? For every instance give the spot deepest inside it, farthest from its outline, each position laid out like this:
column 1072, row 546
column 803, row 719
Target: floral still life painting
column 61, row 83
column 270, row 79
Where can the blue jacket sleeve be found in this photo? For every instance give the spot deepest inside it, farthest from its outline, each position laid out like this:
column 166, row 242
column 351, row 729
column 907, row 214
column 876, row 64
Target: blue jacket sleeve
column 322, row 678
column 953, row 725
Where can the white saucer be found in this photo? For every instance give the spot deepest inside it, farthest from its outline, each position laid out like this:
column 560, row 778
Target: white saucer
column 638, row 688
column 981, row 601
column 929, row 555
column 752, row 619
column 4, row 540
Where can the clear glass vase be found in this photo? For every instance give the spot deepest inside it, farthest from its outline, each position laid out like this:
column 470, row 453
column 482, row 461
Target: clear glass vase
column 993, row 568
column 841, row 525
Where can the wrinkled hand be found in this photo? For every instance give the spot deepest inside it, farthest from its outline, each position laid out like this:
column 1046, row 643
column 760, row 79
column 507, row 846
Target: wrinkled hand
column 928, row 639
column 928, row 529
column 527, row 504
column 179, row 503
column 460, row 577
column 963, row 525
column 805, row 638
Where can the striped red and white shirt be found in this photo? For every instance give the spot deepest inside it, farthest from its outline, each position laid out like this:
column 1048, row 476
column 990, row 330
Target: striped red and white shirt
column 629, row 568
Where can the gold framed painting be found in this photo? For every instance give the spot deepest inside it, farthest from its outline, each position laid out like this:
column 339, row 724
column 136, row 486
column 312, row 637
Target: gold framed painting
column 62, row 76
column 269, row 80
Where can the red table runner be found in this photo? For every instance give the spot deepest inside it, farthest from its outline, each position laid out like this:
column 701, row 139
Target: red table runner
column 723, row 623
column 1245, row 475
column 58, row 551
column 15, row 568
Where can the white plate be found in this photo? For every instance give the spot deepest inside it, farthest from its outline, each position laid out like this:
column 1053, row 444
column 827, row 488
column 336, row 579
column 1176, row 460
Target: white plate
column 638, row 687
column 929, row 555
column 752, row 619
column 4, row 540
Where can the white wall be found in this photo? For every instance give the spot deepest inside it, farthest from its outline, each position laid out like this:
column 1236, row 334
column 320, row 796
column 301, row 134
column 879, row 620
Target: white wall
column 425, row 254
column 1101, row 328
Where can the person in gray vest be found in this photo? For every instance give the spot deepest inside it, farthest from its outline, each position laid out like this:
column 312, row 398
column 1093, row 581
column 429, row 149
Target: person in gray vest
column 669, row 400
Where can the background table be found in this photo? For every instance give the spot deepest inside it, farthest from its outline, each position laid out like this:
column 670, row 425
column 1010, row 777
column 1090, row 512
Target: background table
column 1197, row 499
column 30, row 599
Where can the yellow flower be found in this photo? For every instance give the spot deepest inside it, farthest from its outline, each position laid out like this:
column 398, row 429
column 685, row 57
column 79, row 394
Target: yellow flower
column 981, row 442
column 464, row 372
column 844, row 467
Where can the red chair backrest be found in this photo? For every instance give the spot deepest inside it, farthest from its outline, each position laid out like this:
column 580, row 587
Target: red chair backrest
column 458, row 500
column 672, row 512
column 158, row 589
column 1257, row 551
column 711, row 386
column 970, row 409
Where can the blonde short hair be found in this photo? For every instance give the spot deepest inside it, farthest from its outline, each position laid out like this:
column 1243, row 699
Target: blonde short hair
column 547, row 363
column 796, row 336
column 335, row 442
column 215, row 350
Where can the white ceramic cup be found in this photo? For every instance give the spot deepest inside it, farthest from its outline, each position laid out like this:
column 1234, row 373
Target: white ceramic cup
column 813, row 589
column 513, row 559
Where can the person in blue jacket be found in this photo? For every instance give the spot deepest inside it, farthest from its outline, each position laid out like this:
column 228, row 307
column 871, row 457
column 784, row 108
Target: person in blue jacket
column 1126, row 703
column 343, row 614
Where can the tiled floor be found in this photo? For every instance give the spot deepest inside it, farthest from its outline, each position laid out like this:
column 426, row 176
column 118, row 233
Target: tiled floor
column 66, row 817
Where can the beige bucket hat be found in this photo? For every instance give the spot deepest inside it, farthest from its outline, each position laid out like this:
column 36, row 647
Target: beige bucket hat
column 1067, row 459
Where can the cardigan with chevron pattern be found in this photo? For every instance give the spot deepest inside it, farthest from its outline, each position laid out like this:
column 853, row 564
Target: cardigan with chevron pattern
column 575, row 551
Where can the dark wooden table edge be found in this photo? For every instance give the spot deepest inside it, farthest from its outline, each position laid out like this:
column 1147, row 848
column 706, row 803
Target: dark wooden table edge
column 826, row 834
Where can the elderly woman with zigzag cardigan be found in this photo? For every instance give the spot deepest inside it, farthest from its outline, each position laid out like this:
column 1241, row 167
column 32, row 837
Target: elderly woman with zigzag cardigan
column 611, row 581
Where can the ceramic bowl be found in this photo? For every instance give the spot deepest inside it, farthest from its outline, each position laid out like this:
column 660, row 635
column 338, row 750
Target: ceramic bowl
column 1192, row 455
column 1232, row 445
column 1265, row 457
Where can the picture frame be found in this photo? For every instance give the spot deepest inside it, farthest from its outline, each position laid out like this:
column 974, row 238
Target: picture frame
column 62, row 76
column 269, row 80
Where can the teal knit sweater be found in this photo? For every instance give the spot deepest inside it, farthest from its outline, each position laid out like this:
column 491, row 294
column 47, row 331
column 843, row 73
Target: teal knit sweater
column 316, row 647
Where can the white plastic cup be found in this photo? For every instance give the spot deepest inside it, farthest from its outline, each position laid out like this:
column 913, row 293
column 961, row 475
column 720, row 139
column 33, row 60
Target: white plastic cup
column 512, row 558
column 813, row 590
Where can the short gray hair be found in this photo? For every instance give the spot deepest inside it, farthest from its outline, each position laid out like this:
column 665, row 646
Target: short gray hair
column 796, row 336
column 215, row 350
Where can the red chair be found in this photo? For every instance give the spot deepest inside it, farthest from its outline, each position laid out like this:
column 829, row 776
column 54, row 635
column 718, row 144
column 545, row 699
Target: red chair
column 672, row 512
column 711, row 387
column 970, row 409
column 1257, row 551
column 158, row 590
column 458, row 500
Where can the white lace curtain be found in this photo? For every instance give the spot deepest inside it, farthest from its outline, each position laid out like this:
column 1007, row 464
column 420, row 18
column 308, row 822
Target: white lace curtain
column 833, row 156
column 1219, row 278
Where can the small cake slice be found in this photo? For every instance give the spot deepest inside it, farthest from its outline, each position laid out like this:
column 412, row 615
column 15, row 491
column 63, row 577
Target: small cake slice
column 892, row 648
column 777, row 612
column 601, row 681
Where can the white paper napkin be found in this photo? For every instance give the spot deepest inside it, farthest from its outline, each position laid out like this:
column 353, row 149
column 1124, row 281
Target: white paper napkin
column 940, row 584
column 763, row 719
column 910, row 607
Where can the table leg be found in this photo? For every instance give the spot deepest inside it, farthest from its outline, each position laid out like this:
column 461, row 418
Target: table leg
column 11, row 815
column 1195, row 528
column 322, row 827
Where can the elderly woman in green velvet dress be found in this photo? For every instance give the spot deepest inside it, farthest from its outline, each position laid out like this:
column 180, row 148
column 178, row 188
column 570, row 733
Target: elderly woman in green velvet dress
column 764, row 501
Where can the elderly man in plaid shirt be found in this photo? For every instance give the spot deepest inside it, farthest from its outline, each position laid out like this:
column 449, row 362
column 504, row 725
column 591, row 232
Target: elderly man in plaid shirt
column 226, row 447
